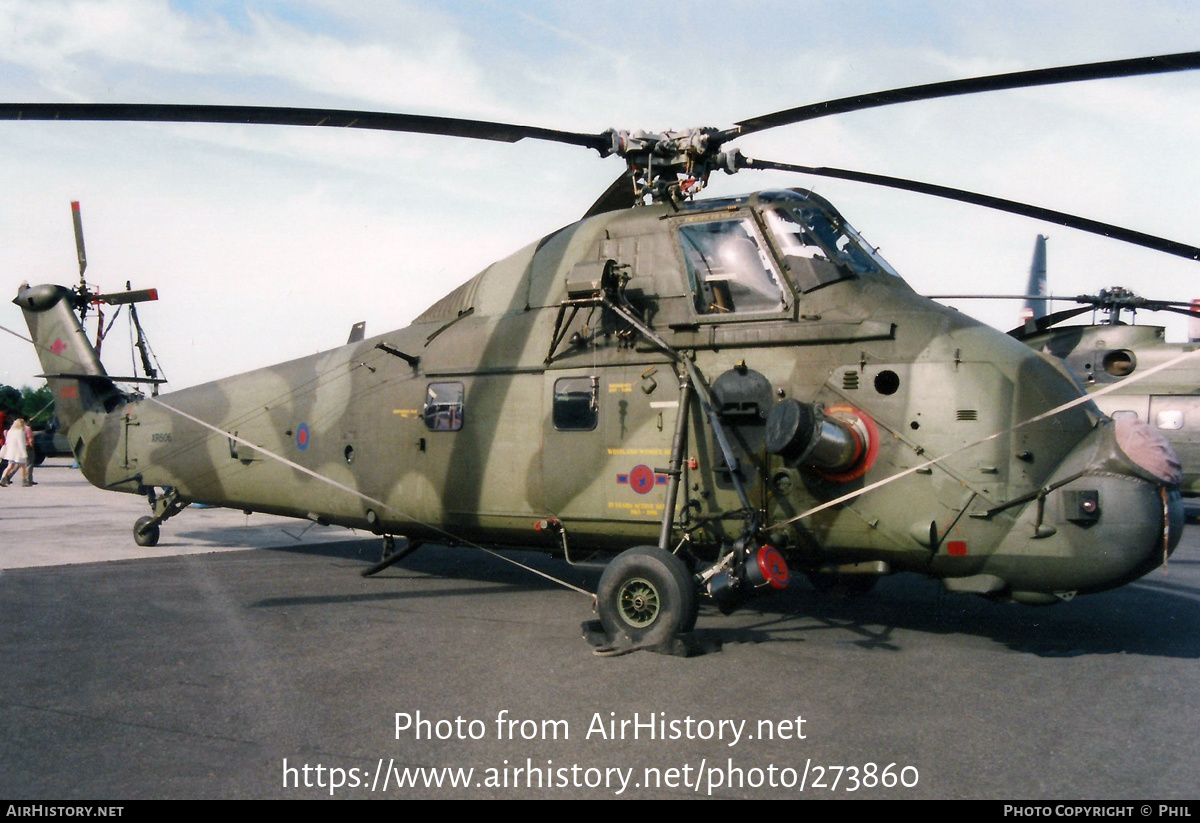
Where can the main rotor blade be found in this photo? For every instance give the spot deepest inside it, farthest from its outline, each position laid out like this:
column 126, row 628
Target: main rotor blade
column 1137, row 238
column 1043, row 323
column 1092, row 300
column 79, row 252
column 282, row 116
column 996, row 297
column 997, row 82
column 1169, row 307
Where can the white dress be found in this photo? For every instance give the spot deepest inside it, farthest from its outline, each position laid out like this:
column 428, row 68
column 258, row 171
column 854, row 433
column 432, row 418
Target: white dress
column 14, row 449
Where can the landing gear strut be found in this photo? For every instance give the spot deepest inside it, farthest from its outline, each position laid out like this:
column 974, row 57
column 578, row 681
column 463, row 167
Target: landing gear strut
column 648, row 598
column 390, row 555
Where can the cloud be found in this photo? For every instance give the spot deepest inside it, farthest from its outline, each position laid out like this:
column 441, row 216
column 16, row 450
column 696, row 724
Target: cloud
column 77, row 48
column 235, row 224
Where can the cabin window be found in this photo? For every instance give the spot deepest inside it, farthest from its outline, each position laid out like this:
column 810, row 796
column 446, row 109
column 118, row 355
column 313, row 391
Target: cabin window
column 729, row 269
column 576, row 406
column 1169, row 419
column 444, row 407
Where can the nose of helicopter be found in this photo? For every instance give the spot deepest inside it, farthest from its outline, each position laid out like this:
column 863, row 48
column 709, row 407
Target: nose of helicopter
column 1110, row 514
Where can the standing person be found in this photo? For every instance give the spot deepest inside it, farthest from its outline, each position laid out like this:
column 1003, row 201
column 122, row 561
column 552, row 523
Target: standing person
column 16, row 452
column 3, row 429
column 31, row 454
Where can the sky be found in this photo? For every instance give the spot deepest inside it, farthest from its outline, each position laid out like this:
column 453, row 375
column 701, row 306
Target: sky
column 267, row 243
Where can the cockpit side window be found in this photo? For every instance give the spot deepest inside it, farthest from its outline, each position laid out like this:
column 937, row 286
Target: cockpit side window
column 820, row 248
column 811, row 263
column 729, row 269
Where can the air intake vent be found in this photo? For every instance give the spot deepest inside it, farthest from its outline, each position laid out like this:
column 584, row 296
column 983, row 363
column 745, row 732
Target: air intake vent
column 968, row 414
column 850, row 380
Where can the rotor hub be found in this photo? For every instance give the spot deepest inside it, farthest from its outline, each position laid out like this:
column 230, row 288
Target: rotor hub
column 672, row 165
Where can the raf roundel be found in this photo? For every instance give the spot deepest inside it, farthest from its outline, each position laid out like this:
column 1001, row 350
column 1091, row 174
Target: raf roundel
column 641, row 479
column 302, row 437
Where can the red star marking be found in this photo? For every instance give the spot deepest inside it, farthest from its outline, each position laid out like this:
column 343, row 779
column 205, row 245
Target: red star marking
column 58, row 346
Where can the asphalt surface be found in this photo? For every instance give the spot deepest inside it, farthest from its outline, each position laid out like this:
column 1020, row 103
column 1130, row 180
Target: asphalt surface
column 279, row 672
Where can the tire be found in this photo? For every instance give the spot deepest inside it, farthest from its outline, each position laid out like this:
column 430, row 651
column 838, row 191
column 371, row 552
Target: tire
column 145, row 536
column 648, row 595
column 842, row 585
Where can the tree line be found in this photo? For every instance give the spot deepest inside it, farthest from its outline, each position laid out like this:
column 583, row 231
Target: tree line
column 35, row 405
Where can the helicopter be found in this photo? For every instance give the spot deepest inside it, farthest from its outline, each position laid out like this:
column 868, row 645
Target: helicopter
column 718, row 392
column 1103, row 353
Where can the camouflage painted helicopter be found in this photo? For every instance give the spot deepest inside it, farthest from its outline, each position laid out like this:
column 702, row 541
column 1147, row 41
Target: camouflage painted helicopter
column 1106, row 351
column 711, row 389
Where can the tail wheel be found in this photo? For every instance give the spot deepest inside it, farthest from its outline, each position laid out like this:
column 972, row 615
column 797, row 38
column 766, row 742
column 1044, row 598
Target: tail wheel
column 648, row 595
column 145, row 534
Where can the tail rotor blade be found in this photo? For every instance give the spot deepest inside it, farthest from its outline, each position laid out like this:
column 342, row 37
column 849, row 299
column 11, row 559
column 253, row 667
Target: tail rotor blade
column 118, row 298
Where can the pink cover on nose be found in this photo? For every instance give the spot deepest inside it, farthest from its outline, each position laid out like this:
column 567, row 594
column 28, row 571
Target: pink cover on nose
column 1149, row 449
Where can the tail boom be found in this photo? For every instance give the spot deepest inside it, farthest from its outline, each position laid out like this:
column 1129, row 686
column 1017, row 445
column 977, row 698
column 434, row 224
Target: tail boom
column 71, row 366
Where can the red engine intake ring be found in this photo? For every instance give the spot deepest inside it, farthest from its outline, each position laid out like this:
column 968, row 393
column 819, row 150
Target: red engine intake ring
column 866, row 430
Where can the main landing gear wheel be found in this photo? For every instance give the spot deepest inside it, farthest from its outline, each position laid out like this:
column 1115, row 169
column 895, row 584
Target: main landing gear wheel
column 647, row 595
column 842, row 585
column 143, row 534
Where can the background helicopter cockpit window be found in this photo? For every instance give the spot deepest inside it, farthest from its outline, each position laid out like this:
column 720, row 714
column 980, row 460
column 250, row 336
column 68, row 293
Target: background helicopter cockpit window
column 729, row 269
column 444, row 407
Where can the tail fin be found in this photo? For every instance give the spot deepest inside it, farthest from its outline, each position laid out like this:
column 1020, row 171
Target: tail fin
column 73, row 369
column 1036, row 309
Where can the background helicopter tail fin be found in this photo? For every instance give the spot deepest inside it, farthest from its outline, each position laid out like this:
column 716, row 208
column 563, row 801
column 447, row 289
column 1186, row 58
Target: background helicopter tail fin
column 70, row 363
column 1036, row 309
